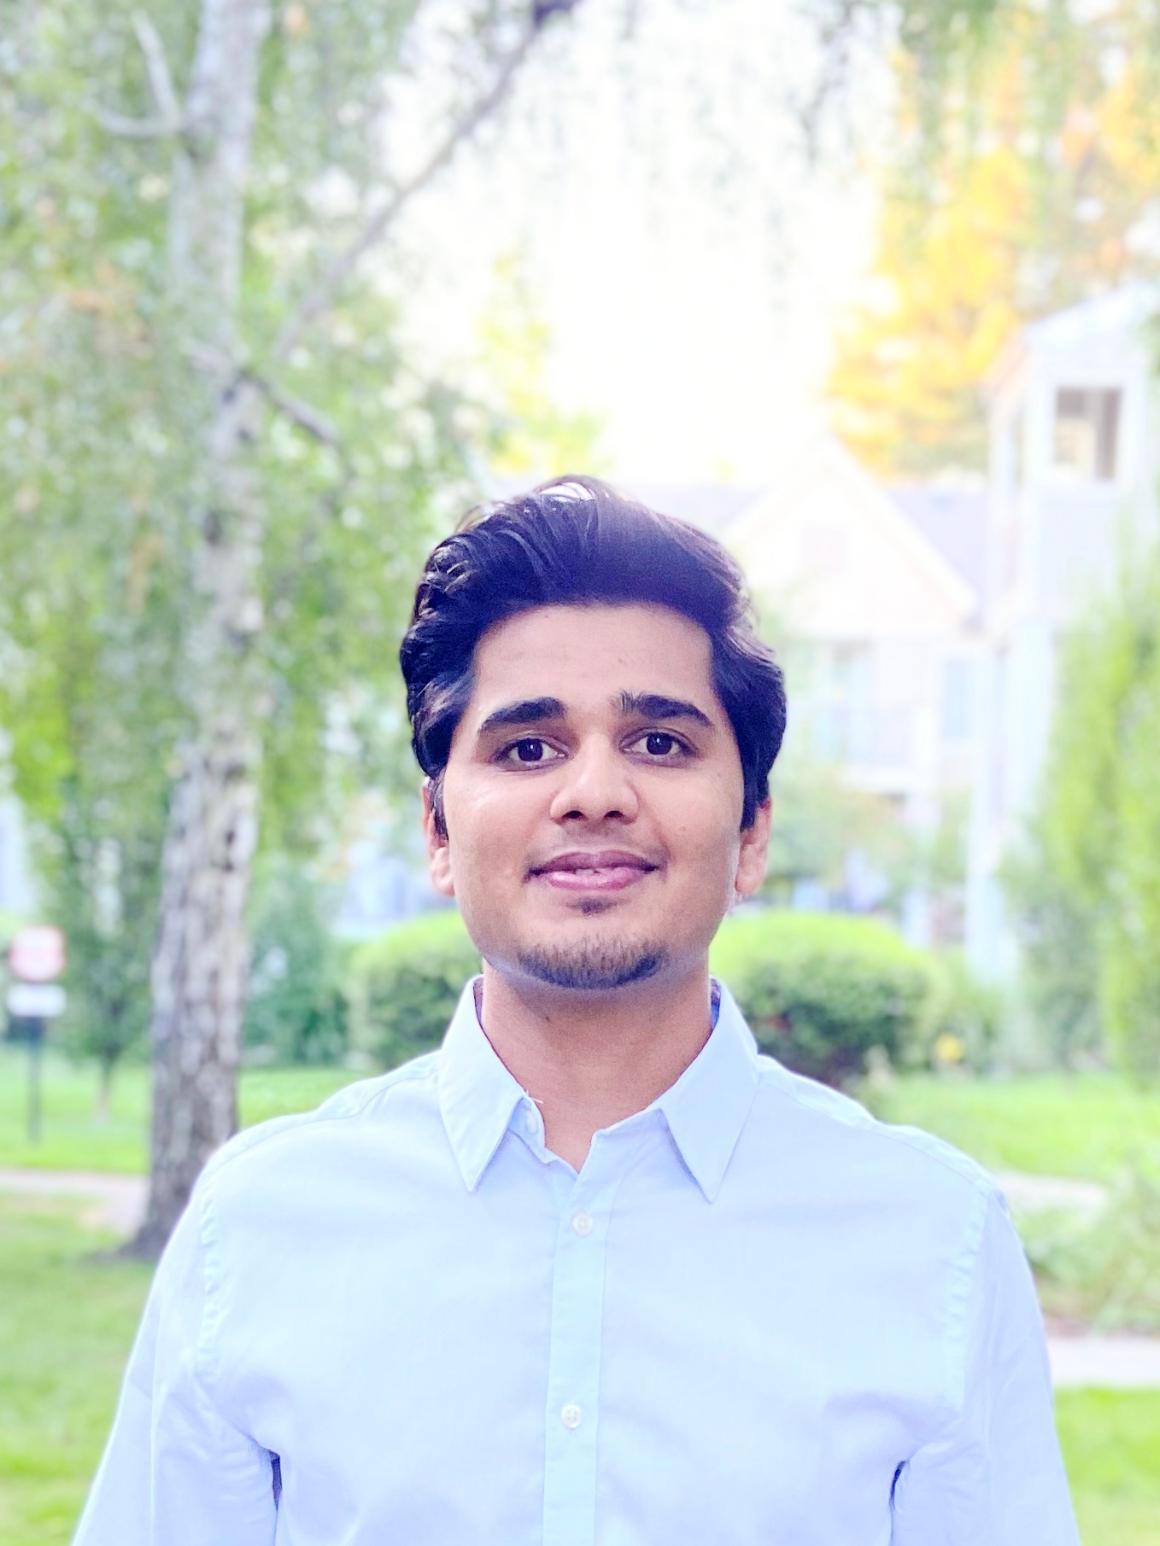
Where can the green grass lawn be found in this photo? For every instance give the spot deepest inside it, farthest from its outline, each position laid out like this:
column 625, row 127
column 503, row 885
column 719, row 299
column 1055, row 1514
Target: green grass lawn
column 1110, row 1440
column 1087, row 1125
column 66, row 1324
column 67, row 1320
column 72, row 1140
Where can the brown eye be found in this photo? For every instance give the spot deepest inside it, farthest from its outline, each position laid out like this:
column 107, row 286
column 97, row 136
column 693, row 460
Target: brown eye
column 530, row 751
column 660, row 746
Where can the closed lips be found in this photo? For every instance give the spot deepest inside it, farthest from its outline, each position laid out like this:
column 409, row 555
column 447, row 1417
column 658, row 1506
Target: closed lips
column 581, row 863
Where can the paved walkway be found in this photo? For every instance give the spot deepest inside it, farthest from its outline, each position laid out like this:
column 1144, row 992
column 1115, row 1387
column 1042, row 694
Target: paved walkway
column 1028, row 1193
column 1120, row 1360
column 110, row 1202
column 118, row 1203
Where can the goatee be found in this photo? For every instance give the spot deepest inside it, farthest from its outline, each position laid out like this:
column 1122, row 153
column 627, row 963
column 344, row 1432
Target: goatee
column 594, row 965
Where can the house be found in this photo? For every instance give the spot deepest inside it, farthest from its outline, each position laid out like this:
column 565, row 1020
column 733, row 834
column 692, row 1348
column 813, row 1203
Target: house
column 1073, row 470
column 874, row 596
column 920, row 625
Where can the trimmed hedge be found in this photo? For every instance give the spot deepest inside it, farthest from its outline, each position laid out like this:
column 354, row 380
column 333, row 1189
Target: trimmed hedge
column 405, row 984
column 819, row 990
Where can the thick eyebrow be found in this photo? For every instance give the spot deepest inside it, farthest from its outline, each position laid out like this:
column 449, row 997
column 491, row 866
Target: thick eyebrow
column 651, row 705
column 528, row 711
column 645, row 705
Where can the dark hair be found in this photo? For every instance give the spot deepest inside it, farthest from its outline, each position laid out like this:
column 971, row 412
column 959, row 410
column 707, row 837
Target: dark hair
column 575, row 541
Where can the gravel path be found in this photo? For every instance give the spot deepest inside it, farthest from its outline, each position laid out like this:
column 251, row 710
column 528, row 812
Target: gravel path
column 1031, row 1192
column 110, row 1202
column 1119, row 1360
column 1126, row 1362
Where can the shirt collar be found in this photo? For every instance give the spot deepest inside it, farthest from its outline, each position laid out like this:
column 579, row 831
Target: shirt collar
column 477, row 1092
column 704, row 1110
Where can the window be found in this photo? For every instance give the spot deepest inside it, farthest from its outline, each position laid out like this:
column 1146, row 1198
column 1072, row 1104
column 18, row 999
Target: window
column 956, row 699
column 843, row 713
column 1087, row 424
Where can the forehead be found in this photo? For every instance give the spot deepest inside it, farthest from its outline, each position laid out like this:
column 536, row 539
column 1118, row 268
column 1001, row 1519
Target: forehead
column 583, row 652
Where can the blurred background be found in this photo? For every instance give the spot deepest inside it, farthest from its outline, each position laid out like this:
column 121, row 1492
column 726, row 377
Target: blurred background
column 868, row 290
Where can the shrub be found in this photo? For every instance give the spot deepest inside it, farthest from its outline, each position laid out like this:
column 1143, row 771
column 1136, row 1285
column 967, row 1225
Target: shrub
column 1106, row 1271
column 1093, row 834
column 962, row 1007
column 1060, row 963
column 296, row 1011
column 404, row 985
column 820, row 990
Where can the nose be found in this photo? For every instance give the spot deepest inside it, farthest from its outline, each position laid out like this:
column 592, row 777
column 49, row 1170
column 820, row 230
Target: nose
column 596, row 784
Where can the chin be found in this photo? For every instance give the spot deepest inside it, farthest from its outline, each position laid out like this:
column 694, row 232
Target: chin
column 593, row 965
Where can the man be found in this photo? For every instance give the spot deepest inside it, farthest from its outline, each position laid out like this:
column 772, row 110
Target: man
column 596, row 1271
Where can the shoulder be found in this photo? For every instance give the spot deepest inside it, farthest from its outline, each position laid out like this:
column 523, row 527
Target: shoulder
column 867, row 1153
column 303, row 1136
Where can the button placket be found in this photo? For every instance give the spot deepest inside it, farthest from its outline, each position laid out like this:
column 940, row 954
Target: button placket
column 574, row 1365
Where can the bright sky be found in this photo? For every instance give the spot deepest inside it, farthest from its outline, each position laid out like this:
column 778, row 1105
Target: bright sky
column 688, row 263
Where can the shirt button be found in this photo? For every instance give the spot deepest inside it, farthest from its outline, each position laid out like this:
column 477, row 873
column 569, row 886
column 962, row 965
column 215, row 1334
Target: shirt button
column 571, row 1415
column 582, row 1223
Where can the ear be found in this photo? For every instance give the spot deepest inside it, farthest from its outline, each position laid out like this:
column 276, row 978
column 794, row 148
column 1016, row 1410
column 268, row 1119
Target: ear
column 751, row 861
column 438, row 848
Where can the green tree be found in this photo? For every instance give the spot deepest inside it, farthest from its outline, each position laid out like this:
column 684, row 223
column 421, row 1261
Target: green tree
column 222, row 465
column 87, row 655
column 1091, row 873
column 295, row 1009
column 532, row 437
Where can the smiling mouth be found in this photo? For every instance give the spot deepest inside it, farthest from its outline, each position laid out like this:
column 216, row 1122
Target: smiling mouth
column 599, row 877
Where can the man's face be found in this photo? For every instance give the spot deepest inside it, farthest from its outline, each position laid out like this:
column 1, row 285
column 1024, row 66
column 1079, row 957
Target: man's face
column 593, row 797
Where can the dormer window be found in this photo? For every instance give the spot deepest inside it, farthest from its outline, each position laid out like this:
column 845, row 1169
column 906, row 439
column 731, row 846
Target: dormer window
column 1086, row 434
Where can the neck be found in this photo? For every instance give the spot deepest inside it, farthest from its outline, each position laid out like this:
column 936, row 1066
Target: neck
column 588, row 1058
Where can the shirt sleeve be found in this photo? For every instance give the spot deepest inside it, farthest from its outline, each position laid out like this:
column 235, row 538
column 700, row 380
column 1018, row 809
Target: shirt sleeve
column 993, row 1476
column 176, row 1471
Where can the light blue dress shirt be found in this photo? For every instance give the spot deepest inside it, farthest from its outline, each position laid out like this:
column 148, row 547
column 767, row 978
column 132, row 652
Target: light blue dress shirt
column 756, row 1317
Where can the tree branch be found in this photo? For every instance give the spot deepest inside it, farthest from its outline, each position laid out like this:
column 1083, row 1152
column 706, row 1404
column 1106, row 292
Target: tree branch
column 157, row 68
column 133, row 128
column 171, row 119
column 322, row 295
column 309, row 419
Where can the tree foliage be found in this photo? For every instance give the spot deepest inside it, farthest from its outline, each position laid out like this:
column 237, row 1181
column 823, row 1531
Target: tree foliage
column 296, row 1010
column 1088, row 886
column 97, row 446
column 225, row 467
column 1037, row 188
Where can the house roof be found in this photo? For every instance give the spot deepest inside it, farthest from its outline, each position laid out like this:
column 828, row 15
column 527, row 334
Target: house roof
column 841, row 558
column 845, row 556
column 953, row 520
column 1124, row 310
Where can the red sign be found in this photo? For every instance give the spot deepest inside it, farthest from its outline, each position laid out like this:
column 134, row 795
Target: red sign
column 36, row 954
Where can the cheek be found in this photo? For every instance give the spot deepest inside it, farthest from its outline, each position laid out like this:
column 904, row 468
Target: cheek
column 711, row 849
column 487, row 828
column 718, row 806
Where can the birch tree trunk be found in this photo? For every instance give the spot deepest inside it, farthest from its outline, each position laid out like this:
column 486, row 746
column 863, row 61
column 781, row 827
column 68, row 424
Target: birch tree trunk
column 200, row 961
